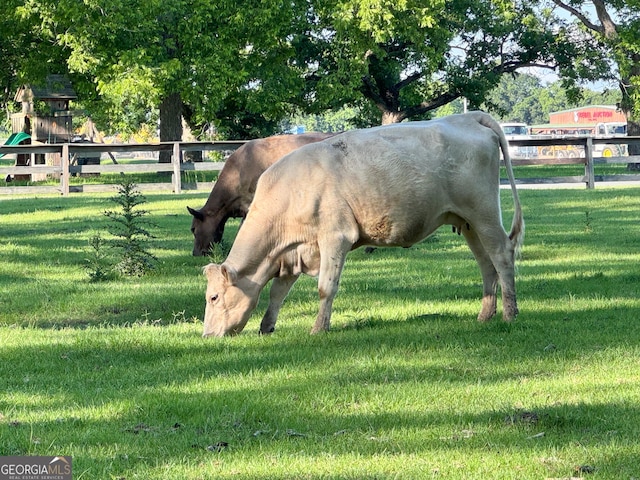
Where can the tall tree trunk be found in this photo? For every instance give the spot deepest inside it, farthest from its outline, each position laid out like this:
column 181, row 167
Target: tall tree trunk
column 633, row 129
column 170, row 122
column 629, row 107
column 609, row 30
column 392, row 117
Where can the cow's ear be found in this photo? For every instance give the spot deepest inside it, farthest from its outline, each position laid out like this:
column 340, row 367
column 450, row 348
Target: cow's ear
column 229, row 273
column 196, row 213
column 209, row 269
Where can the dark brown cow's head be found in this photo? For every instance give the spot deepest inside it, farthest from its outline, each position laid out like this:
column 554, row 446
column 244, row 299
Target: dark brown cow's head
column 206, row 229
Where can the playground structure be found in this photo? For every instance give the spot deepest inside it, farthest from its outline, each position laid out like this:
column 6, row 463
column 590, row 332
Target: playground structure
column 45, row 119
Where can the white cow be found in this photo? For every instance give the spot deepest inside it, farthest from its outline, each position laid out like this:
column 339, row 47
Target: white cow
column 386, row 186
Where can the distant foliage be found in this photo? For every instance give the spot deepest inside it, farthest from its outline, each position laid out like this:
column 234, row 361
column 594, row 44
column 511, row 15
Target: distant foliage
column 523, row 98
column 128, row 226
column 338, row 120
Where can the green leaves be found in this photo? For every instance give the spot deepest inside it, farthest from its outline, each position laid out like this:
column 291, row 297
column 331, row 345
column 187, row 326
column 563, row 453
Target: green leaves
column 245, row 66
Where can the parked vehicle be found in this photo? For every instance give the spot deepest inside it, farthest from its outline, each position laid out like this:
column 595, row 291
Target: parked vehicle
column 607, row 130
column 519, row 131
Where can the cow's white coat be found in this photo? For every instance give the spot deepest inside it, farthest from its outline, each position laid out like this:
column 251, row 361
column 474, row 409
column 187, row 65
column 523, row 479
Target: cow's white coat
column 385, row 186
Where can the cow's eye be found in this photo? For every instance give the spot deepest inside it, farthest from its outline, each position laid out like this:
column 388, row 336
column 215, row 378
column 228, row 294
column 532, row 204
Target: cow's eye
column 214, row 298
column 193, row 230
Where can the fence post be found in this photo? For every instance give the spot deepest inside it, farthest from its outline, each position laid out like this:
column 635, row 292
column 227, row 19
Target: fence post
column 588, row 168
column 64, row 174
column 175, row 160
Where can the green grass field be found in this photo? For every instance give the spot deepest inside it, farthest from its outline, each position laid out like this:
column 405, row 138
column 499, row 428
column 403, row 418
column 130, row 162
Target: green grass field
column 407, row 384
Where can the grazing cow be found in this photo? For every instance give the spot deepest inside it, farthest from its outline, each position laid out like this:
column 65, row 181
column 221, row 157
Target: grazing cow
column 385, row 186
column 233, row 191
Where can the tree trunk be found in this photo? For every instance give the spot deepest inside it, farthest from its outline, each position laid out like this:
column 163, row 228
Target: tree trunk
column 170, row 122
column 630, row 107
column 633, row 129
column 392, row 117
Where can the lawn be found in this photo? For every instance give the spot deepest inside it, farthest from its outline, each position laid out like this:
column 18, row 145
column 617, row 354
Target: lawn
column 406, row 385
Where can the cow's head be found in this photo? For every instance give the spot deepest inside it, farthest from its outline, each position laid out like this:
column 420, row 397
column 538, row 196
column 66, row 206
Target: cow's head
column 206, row 229
column 230, row 301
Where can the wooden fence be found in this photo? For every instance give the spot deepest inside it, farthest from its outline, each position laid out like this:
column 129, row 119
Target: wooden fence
column 69, row 151
column 585, row 147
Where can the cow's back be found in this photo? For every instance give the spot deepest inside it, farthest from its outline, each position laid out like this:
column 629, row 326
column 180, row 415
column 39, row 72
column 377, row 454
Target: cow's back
column 397, row 181
column 246, row 164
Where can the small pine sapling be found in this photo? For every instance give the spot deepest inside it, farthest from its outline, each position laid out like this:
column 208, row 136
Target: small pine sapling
column 128, row 226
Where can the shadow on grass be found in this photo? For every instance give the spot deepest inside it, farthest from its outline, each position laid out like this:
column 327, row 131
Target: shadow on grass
column 162, row 402
column 161, row 390
column 161, row 398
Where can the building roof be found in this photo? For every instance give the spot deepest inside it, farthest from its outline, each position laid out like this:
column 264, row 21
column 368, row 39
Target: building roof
column 586, row 107
column 56, row 87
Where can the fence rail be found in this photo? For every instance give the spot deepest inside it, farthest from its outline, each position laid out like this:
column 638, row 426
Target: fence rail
column 586, row 146
column 68, row 151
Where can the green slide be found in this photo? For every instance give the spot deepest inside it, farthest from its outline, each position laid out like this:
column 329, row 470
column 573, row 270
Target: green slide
column 15, row 139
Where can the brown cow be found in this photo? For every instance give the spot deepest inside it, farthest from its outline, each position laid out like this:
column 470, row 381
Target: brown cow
column 233, row 191
column 386, row 186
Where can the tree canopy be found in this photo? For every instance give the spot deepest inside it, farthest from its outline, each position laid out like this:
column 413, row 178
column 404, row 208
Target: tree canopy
column 243, row 66
column 25, row 55
column 615, row 27
column 153, row 53
column 405, row 59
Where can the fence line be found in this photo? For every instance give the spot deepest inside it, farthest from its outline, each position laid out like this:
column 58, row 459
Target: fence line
column 68, row 151
column 586, row 145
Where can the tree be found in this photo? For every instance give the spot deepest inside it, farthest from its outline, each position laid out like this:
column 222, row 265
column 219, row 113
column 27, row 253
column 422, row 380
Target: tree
column 616, row 30
column 329, row 121
column 26, row 56
column 516, row 99
column 129, row 226
column 522, row 98
column 244, row 66
column 12, row 37
column 406, row 59
column 183, row 57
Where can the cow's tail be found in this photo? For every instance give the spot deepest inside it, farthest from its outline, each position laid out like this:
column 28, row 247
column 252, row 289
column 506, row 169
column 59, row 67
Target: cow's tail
column 517, row 225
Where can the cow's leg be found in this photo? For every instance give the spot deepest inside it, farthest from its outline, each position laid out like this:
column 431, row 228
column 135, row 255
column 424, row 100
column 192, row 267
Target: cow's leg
column 332, row 258
column 506, row 270
column 280, row 287
column 501, row 251
column 488, row 271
